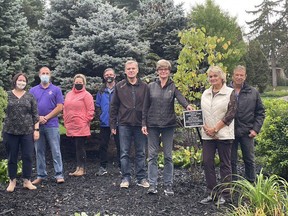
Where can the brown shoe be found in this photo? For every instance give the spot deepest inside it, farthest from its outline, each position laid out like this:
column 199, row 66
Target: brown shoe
column 27, row 184
column 60, row 180
column 37, row 181
column 73, row 174
column 80, row 172
column 11, row 186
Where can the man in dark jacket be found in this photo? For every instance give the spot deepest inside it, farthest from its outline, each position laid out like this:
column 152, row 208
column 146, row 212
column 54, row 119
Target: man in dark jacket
column 126, row 108
column 248, row 122
column 103, row 99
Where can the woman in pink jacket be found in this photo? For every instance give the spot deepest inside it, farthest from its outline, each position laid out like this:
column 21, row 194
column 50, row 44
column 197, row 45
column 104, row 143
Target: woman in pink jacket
column 78, row 113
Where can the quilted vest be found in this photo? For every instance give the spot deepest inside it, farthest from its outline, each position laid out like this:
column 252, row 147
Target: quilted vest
column 214, row 109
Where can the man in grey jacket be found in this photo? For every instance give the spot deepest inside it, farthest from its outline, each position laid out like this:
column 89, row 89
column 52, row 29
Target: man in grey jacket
column 249, row 119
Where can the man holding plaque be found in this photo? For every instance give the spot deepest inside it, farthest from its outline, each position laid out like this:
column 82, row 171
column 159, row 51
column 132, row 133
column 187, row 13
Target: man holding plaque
column 248, row 122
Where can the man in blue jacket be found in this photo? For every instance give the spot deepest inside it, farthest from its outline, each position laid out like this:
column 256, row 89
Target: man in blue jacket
column 249, row 119
column 103, row 99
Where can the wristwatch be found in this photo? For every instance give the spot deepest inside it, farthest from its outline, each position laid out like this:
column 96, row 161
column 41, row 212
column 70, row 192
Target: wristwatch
column 36, row 129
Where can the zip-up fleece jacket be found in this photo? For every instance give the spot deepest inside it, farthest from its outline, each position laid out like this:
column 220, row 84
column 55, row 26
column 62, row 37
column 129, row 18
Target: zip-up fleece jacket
column 159, row 105
column 250, row 111
column 127, row 103
column 103, row 99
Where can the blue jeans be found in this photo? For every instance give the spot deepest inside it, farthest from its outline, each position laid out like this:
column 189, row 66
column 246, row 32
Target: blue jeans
column 52, row 136
column 248, row 149
column 153, row 149
column 127, row 134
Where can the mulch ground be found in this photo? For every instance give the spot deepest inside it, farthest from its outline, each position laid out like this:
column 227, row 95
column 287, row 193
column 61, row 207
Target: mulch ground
column 101, row 194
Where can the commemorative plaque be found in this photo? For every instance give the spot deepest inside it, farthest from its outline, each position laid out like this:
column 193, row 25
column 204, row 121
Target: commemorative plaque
column 193, row 118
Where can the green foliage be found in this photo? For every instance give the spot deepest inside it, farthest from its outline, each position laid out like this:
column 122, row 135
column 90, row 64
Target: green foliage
column 271, row 33
column 267, row 196
column 4, row 170
column 15, row 45
column 221, row 24
column 258, row 71
column 275, row 94
column 272, row 142
column 184, row 157
column 33, row 10
column 62, row 129
column 199, row 48
column 160, row 22
column 107, row 38
column 3, row 105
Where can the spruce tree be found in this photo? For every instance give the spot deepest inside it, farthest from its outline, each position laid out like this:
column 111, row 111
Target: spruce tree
column 15, row 43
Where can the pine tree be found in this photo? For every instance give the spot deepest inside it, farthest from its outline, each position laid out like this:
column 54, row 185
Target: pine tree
column 160, row 22
column 106, row 39
column 257, row 66
column 270, row 28
column 57, row 27
column 33, row 10
column 15, row 43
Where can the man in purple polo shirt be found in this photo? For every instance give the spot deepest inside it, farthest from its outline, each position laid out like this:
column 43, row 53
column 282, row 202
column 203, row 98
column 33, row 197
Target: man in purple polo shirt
column 50, row 103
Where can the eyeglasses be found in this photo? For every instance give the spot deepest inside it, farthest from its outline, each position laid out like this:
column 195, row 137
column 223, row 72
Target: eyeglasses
column 163, row 69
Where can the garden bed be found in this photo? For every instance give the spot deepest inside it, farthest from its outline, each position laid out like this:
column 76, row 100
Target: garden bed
column 101, row 194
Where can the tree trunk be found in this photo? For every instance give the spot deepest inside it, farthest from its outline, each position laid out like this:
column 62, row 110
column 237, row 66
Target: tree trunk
column 273, row 66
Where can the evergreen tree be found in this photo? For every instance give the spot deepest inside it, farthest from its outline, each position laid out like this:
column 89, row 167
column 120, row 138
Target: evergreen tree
column 257, row 66
column 221, row 24
column 15, row 43
column 106, row 39
column 33, row 10
column 160, row 22
column 270, row 28
column 130, row 5
column 57, row 27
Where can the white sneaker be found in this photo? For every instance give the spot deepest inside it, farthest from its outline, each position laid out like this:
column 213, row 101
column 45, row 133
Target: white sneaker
column 124, row 183
column 206, row 200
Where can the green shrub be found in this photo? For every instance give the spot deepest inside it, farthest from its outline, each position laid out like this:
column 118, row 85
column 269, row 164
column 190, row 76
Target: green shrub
column 185, row 157
column 3, row 105
column 271, row 147
column 275, row 94
column 267, row 196
column 4, row 170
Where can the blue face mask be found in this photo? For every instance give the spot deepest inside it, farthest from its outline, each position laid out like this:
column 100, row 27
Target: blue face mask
column 45, row 79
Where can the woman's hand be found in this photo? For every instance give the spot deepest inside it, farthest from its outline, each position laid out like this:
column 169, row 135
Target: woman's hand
column 36, row 135
column 189, row 108
column 210, row 132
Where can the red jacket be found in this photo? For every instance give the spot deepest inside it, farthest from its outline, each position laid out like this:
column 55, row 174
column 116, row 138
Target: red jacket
column 78, row 112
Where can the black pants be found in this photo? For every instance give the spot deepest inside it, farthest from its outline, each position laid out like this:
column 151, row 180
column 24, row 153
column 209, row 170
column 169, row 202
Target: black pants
column 80, row 151
column 105, row 133
column 26, row 144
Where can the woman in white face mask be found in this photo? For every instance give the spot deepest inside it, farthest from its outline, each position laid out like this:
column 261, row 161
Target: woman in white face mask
column 21, row 129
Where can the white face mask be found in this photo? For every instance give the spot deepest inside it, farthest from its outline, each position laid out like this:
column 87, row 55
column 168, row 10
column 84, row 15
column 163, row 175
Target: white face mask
column 45, row 78
column 20, row 84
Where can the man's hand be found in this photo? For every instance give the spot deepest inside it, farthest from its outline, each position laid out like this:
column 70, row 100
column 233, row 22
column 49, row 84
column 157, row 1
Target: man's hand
column 144, row 130
column 113, row 131
column 252, row 133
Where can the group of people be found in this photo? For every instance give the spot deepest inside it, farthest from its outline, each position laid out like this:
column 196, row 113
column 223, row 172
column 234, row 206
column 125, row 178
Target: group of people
column 134, row 113
column 233, row 115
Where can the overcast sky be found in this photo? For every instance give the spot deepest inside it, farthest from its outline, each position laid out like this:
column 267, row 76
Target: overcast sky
column 235, row 8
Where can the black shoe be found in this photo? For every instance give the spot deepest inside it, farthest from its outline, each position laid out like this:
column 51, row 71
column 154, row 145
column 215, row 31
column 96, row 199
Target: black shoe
column 152, row 189
column 168, row 190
